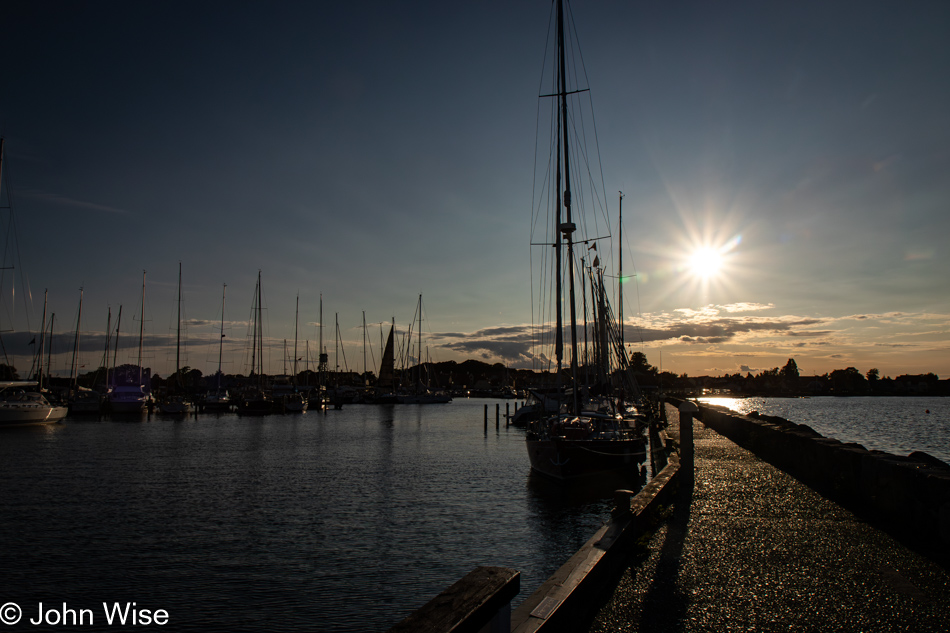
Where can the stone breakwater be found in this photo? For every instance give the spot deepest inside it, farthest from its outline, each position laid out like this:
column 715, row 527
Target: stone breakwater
column 907, row 495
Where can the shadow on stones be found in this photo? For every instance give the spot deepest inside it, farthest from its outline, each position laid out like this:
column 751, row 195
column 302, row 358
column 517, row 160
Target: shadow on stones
column 665, row 604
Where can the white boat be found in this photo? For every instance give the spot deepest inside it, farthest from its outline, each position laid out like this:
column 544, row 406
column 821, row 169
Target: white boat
column 19, row 407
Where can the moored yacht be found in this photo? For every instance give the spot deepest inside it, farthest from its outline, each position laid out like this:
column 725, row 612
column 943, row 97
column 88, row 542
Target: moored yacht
column 19, row 407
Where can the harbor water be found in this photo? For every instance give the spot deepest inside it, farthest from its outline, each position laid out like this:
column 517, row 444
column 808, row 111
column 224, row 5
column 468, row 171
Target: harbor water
column 897, row 425
column 324, row 521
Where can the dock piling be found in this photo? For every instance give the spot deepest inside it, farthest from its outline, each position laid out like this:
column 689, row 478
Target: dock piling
column 687, row 410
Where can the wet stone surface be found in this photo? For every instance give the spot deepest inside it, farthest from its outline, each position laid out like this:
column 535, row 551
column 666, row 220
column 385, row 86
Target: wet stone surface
column 749, row 548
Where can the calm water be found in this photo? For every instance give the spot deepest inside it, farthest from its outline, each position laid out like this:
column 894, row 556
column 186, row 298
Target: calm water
column 892, row 424
column 327, row 521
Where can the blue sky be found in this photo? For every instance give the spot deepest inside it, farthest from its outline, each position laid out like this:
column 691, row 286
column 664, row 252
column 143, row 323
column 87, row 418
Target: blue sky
column 372, row 151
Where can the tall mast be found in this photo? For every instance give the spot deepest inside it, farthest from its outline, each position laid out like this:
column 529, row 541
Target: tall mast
column 224, row 291
column 567, row 228
column 142, row 327
column 260, row 334
column 115, row 354
column 105, row 353
column 324, row 357
column 39, row 357
column 254, row 336
column 49, row 358
column 419, row 360
column 623, row 350
column 365, row 382
column 73, row 367
column 181, row 384
column 296, row 321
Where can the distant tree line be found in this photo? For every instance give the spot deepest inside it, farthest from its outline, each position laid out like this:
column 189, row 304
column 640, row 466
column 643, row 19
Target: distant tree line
column 481, row 376
column 788, row 381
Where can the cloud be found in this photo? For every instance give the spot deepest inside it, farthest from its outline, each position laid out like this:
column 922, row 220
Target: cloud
column 716, row 330
column 510, row 343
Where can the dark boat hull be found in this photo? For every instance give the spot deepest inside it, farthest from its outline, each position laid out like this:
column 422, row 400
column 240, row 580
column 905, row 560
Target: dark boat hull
column 571, row 460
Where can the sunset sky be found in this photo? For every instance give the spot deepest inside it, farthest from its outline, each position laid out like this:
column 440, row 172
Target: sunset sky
column 374, row 151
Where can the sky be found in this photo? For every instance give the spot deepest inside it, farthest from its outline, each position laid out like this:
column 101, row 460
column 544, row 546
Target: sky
column 370, row 152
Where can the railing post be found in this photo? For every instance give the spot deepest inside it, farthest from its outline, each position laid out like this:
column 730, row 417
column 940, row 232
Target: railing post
column 687, row 411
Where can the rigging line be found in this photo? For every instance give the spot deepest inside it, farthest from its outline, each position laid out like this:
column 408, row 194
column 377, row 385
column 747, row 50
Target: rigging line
column 636, row 278
column 583, row 66
column 16, row 257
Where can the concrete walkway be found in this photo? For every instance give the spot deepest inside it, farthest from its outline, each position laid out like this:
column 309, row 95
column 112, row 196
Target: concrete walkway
column 749, row 548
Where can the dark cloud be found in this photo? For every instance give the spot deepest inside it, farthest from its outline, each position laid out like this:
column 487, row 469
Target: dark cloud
column 714, row 330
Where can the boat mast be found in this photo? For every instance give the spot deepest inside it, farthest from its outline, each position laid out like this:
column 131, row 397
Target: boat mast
column 142, row 327
column 49, row 358
column 115, row 354
column 39, row 357
column 620, row 274
column 105, row 353
column 296, row 321
column 259, row 332
column 181, row 383
column 73, row 367
column 419, row 359
column 324, row 358
column 568, row 227
column 365, row 380
column 221, row 342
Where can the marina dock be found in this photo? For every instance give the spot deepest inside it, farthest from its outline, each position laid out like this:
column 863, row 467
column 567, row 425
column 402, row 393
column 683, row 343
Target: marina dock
column 721, row 539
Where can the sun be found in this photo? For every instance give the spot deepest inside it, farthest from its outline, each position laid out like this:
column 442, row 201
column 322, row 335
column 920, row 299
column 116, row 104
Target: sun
column 705, row 263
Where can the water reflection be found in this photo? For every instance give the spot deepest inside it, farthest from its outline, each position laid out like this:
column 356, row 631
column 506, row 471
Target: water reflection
column 898, row 425
column 349, row 519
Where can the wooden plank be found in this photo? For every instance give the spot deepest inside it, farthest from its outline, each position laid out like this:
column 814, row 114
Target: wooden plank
column 466, row 606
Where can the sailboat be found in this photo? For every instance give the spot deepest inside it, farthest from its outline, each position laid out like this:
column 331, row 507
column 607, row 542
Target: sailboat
column 174, row 401
column 129, row 393
column 420, row 393
column 292, row 400
column 219, row 399
column 254, row 400
column 318, row 397
column 386, row 379
column 583, row 439
column 17, row 405
column 80, row 400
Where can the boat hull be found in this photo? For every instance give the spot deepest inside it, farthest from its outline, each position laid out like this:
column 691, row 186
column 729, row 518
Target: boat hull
column 572, row 460
column 23, row 416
